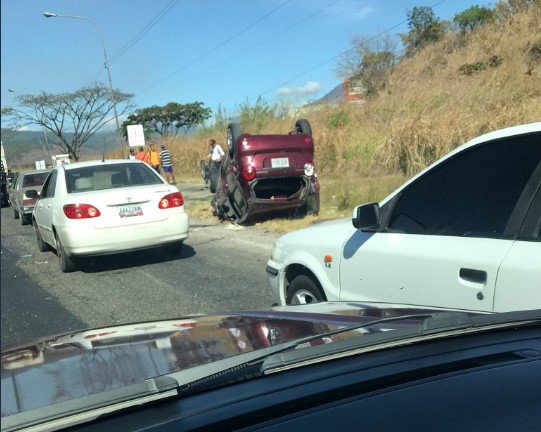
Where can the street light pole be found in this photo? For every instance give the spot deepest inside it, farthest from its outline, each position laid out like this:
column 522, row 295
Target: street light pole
column 53, row 15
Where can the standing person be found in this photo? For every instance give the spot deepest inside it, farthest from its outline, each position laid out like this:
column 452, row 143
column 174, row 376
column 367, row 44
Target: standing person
column 154, row 158
column 166, row 161
column 216, row 152
column 216, row 155
column 132, row 154
column 142, row 156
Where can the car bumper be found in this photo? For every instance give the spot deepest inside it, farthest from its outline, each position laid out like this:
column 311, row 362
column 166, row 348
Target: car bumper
column 102, row 241
column 276, row 279
column 27, row 210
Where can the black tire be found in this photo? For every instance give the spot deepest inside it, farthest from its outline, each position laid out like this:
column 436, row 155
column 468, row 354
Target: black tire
column 233, row 132
column 25, row 219
column 66, row 262
column 174, row 249
column 214, row 172
column 42, row 246
column 303, row 290
column 15, row 214
column 303, row 126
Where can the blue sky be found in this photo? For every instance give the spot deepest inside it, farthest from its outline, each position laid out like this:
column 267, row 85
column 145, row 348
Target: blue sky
column 217, row 52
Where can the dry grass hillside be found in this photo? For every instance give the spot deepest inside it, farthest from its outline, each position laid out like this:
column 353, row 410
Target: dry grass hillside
column 458, row 88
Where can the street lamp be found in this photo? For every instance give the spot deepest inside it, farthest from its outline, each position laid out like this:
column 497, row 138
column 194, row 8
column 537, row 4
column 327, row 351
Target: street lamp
column 53, row 15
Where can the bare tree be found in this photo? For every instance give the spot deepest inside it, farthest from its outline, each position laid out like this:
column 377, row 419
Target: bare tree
column 72, row 117
column 370, row 60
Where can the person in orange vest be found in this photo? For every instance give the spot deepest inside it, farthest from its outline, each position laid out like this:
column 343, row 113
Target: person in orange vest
column 154, row 158
column 142, row 156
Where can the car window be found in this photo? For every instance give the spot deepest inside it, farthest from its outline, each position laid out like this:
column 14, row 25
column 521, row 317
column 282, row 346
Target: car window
column 49, row 186
column 35, row 179
column 472, row 194
column 110, row 176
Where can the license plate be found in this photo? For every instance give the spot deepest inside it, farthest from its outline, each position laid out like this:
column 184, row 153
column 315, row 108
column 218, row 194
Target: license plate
column 280, row 162
column 129, row 210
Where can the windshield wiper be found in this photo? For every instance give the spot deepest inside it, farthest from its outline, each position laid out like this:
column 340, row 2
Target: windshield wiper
column 270, row 359
column 263, row 359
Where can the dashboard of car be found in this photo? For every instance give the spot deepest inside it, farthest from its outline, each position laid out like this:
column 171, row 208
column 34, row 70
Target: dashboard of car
column 487, row 381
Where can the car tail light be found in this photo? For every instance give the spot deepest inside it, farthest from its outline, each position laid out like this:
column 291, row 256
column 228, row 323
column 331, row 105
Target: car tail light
column 249, row 172
column 186, row 325
column 81, row 211
column 171, row 200
column 95, row 335
column 309, row 169
column 29, row 201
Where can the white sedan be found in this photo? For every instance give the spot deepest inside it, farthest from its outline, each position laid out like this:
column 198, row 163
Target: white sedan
column 107, row 207
column 465, row 233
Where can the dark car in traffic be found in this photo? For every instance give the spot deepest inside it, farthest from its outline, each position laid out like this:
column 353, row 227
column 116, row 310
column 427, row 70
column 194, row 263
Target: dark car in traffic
column 267, row 174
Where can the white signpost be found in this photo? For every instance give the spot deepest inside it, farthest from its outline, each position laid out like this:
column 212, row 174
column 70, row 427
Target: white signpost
column 136, row 136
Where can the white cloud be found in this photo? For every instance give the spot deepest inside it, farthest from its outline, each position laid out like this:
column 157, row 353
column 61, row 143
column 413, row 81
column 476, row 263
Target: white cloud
column 310, row 88
column 352, row 9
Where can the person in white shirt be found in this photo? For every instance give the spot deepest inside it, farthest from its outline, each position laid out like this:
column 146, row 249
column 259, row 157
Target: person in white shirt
column 216, row 151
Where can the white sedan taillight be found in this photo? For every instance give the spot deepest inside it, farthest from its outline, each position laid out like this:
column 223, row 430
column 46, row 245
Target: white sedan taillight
column 172, row 200
column 81, row 211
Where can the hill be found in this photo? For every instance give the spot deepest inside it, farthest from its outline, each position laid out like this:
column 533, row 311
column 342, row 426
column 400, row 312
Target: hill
column 23, row 148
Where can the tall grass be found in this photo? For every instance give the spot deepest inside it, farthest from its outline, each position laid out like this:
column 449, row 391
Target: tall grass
column 429, row 107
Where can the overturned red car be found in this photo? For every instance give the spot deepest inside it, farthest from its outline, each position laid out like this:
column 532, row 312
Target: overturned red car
column 267, row 175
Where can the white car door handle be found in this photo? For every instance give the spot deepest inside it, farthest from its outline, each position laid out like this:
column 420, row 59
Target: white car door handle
column 473, row 275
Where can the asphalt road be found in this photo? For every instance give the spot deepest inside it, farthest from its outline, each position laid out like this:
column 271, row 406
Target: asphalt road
column 222, row 267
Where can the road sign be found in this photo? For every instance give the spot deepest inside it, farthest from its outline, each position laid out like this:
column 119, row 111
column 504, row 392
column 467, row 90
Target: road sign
column 136, row 136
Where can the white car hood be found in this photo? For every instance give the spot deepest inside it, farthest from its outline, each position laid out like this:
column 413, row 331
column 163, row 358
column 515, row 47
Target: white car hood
column 330, row 235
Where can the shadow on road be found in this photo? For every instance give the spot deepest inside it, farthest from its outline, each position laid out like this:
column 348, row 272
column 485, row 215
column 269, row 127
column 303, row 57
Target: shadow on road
column 129, row 260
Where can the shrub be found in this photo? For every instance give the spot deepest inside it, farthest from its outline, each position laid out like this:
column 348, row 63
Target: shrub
column 471, row 68
column 472, row 18
column 534, row 53
column 338, row 119
column 495, row 61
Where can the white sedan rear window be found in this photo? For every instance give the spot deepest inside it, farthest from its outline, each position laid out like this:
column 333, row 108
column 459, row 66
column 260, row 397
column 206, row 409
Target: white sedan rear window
column 101, row 177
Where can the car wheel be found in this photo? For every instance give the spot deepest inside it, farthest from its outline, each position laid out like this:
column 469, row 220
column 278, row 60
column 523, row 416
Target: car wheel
column 174, row 249
column 303, row 290
column 66, row 262
column 25, row 219
column 303, row 126
column 233, row 132
column 15, row 214
column 213, row 176
column 42, row 246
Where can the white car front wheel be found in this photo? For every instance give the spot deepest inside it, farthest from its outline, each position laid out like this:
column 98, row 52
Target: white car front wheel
column 303, row 290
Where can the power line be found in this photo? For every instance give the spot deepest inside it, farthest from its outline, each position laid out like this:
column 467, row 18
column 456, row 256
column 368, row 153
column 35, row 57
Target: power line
column 206, row 54
column 165, row 10
column 297, row 23
column 338, row 55
column 145, row 30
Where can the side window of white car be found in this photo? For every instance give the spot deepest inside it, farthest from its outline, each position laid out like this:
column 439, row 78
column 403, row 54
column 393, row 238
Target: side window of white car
column 49, row 186
column 472, row 194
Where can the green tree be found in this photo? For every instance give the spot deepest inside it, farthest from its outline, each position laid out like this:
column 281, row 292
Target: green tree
column 473, row 17
column 72, row 117
column 425, row 29
column 169, row 119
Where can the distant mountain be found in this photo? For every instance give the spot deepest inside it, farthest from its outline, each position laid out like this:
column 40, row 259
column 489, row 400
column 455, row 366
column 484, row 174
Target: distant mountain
column 23, row 148
column 336, row 95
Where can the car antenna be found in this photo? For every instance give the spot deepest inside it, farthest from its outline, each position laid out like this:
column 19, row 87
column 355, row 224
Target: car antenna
column 103, row 156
